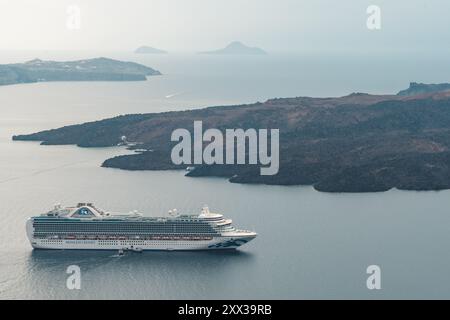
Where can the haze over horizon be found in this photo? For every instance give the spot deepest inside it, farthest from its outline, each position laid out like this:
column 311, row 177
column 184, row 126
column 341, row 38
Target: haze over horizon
column 201, row 25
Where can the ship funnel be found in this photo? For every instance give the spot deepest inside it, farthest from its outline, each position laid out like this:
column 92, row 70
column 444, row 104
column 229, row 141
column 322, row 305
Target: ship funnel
column 205, row 209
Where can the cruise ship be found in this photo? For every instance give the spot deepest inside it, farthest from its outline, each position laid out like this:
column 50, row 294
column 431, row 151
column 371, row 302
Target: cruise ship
column 87, row 227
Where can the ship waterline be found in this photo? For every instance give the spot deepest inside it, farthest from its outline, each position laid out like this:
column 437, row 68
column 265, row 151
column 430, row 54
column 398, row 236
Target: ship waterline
column 87, row 227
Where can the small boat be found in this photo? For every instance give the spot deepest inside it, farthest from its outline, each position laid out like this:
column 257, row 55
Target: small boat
column 138, row 250
column 121, row 252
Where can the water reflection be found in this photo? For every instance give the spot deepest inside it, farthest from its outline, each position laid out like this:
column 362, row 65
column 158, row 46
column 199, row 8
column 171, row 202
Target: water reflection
column 151, row 274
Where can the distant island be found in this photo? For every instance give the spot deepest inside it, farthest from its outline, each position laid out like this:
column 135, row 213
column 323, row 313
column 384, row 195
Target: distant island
column 423, row 88
column 97, row 69
column 149, row 50
column 355, row 143
column 237, row 48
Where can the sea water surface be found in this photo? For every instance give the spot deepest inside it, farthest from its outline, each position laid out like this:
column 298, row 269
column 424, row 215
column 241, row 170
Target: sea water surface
column 310, row 244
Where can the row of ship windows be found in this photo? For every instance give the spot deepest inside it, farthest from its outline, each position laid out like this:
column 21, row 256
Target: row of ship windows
column 43, row 234
column 124, row 227
column 128, row 231
column 60, row 222
column 124, row 237
column 116, row 224
column 116, row 243
column 158, row 243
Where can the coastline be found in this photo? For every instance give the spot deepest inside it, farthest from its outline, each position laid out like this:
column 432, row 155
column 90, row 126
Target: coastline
column 356, row 143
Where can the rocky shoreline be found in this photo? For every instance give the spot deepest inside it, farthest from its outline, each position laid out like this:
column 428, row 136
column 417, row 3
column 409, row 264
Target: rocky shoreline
column 356, row 143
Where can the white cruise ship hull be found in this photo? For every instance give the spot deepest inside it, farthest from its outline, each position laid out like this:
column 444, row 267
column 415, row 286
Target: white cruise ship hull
column 167, row 245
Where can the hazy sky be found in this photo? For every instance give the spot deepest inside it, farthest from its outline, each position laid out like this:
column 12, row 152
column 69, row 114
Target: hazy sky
column 196, row 25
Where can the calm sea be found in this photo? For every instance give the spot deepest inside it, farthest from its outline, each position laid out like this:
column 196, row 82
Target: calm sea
column 310, row 244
